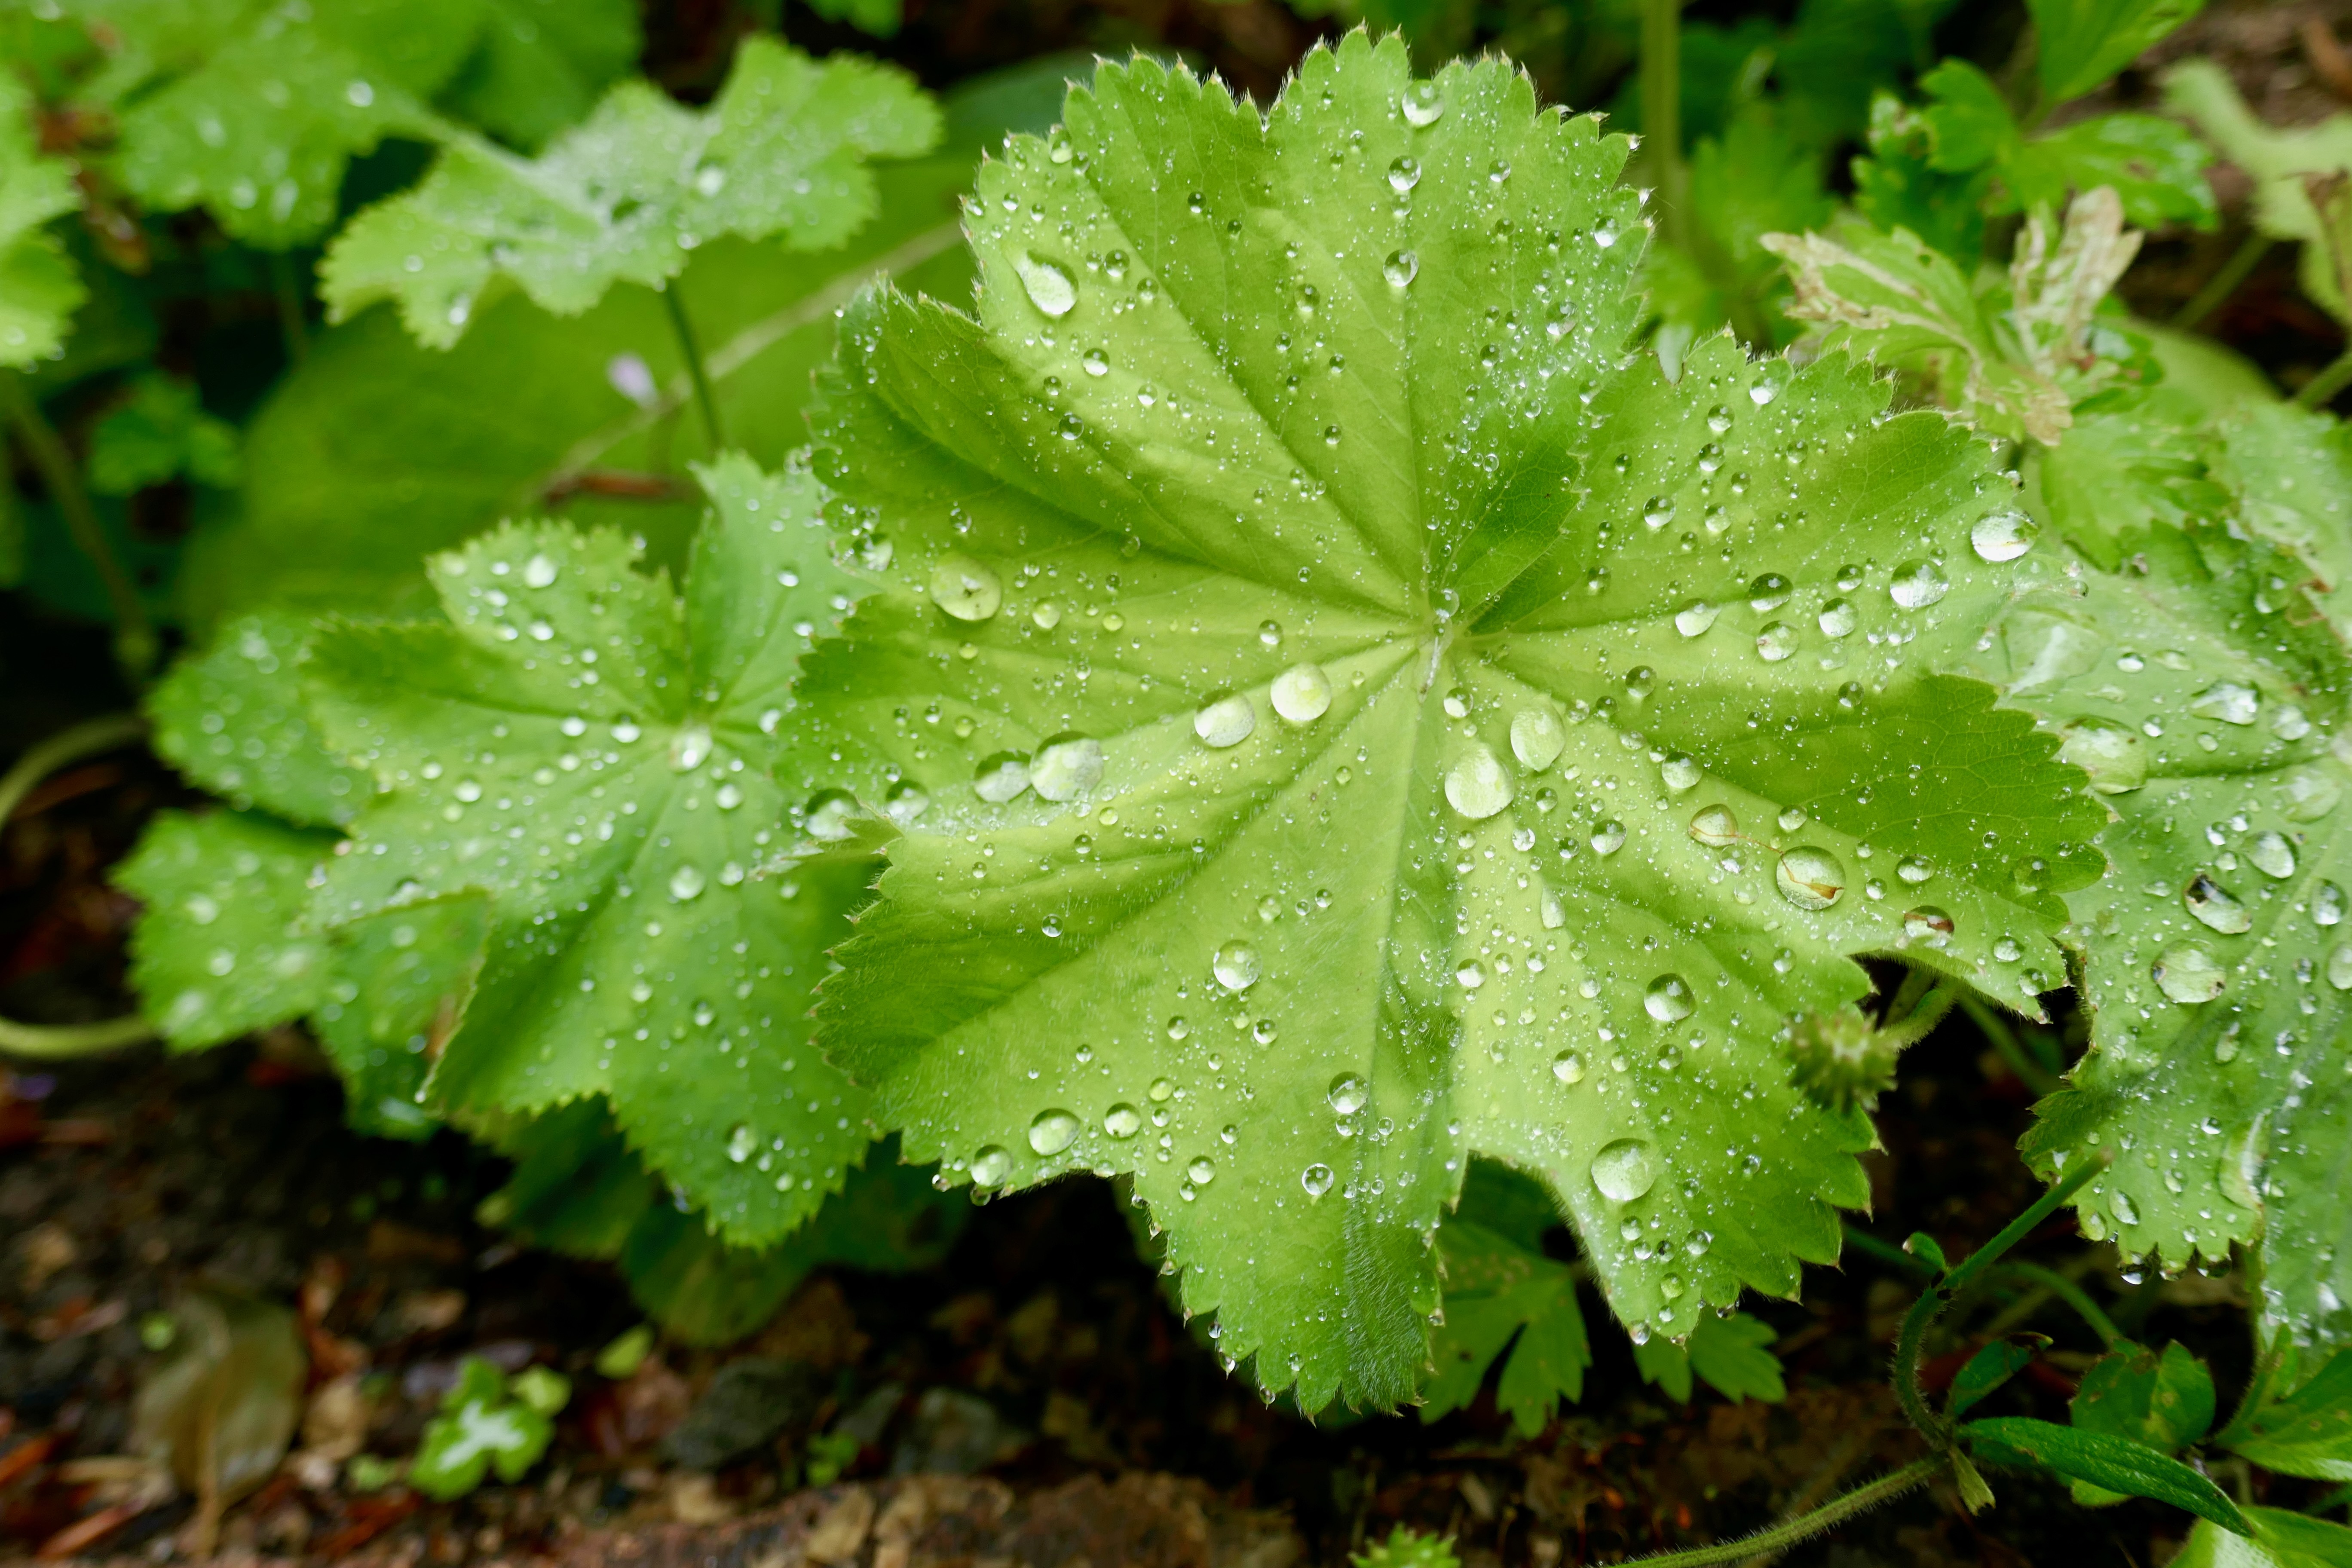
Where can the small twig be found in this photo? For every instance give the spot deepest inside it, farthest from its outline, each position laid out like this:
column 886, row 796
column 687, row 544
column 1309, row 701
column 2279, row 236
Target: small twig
column 2224, row 283
column 53, row 1042
column 705, row 399
column 135, row 646
column 1781, row 1537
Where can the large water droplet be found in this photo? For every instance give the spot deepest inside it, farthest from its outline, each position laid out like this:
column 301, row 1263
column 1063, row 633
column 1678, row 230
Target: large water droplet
column 1926, row 923
column 1715, row 826
column 1348, row 1093
column 741, row 1142
column 2004, row 536
column 2215, row 906
column 2306, row 795
column 1479, row 786
column 1775, row 642
column 1769, row 593
column 1227, row 721
column 2339, row 967
column 1122, row 1121
column 1316, row 1179
column 1608, row 837
column 1048, row 287
column 1067, row 768
column 1403, row 175
column 2110, row 753
column 1053, row 1131
column 2120, row 1205
column 966, row 589
column 990, row 1166
column 2188, row 974
column 1538, row 737
column 1236, row 965
column 1001, row 777
column 1668, row 999
column 2327, row 904
column 1423, row 103
column 1302, row 693
column 1567, row 1067
column 1203, row 1170
column 1401, row 268
column 1809, row 877
column 2272, row 855
column 1679, row 773
column 1838, row 617
column 686, row 882
column 538, row 572
column 2228, row 701
column 1918, row 585
column 1693, row 619
column 1625, row 1170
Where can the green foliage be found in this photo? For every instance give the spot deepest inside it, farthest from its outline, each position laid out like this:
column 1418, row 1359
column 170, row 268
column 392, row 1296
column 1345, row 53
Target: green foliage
column 2306, row 1433
column 2081, row 43
column 484, row 1423
column 2280, row 161
column 1409, row 1549
column 158, row 433
column 1986, row 1371
column 39, row 290
column 1728, row 1353
column 630, row 192
column 2279, row 1540
column 2115, row 1464
column 1232, row 783
column 1504, row 1299
column 2164, row 1399
column 232, row 718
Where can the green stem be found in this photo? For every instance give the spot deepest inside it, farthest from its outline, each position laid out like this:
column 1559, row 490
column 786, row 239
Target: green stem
column 292, row 325
column 53, row 1042
column 1781, row 1537
column 135, row 646
column 1662, row 127
column 2224, row 283
column 1955, row 1283
column 704, row 398
column 2030, row 1073
column 1920, row 1021
column 2321, row 389
column 1887, row 1252
column 2050, row 1282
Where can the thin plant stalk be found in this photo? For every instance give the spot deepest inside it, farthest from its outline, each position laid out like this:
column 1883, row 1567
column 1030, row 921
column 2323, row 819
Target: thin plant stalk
column 2030, row 1073
column 704, row 398
column 56, row 1042
column 2223, row 283
column 135, row 644
column 1781, row 1537
column 1662, row 127
column 2321, row 389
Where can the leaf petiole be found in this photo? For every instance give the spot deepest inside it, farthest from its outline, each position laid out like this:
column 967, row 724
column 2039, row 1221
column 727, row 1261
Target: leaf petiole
column 1781, row 1537
column 135, row 644
column 704, row 398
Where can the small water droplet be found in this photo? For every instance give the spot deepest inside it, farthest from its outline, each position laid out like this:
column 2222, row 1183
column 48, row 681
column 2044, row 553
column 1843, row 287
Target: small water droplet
column 2110, row 753
column 965, row 588
column 1349, row 1094
column 1403, row 175
column 2119, row 1203
column 1839, row 619
column 741, row 1142
column 1401, row 268
column 1775, row 642
column 1625, row 1170
column 1668, row 999
column 1066, row 767
column 1097, row 362
column 1918, row 585
column 990, row 1166
column 1693, row 618
column 1227, row 721
column 1809, row 877
column 1203, row 1170
column 1538, row 737
column 1122, row 1121
column 2272, row 855
column 1422, row 104
column 1679, row 773
column 1567, row 1067
column 1048, row 287
column 2215, row 906
column 2339, row 967
column 1053, row 1131
column 1715, row 826
column 1608, row 837
column 2228, row 701
column 2327, row 905
column 1316, row 1179
column 2004, row 536
column 687, row 882
column 1769, row 593
column 1914, row 870
column 538, row 572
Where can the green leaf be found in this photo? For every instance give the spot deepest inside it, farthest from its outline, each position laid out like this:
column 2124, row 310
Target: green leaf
column 1729, row 1354
column 1968, row 122
column 2280, row 1540
column 1504, row 1297
column 2117, row 1464
column 157, row 434
column 1755, row 180
column 2277, row 160
column 1899, row 186
column 252, row 110
column 2081, row 43
column 2157, row 167
column 2288, row 471
column 1990, row 1367
column 2163, row 1399
column 396, row 993
column 627, row 195
column 539, row 65
column 224, row 946
column 480, row 1428
column 1408, row 1549
column 1173, row 788
column 577, row 1186
column 2199, row 690
column 40, row 287
column 232, row 718
column 2309, row 1432
column 876, row 18
column 581, row 744
column 2131, row 460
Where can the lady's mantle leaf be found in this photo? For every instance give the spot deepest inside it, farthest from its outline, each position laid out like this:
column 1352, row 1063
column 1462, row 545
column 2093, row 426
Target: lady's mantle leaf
column 2203, row 695
column 627, row 194
column 1349, row 716
column 233, row 720
column 589, row 750
column 39, row 290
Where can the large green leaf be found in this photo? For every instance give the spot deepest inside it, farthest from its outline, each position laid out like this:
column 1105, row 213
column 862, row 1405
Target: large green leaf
column 2280, row 1540
column 2309, row 1432
column 629, row 194
column 1349, row 716
column 232, row 718
column 40, row 289
column 2081, row 43
column 2201, row 692
column 2164, row 1399
column 539, row 65
column 2115, row 1464
column 581, row 744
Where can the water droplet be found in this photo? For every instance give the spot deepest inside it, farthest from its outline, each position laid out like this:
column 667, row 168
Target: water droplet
column 1918, row 585
column 1236, row 965
column 1066, row 767
column 1001, row 777
column 1567, row 1067
column 2339, row 967
column 1625, row 1170
column 2215, row 906
column 2110, row 753
column 687, row 882
column 1227, row 721
column 1658, row 511
column 1349, row 1094
column 1608, row 837
column 1769, row 593
column 689, row 748
column 1926, row 923
column 1423, row 103
column 1538, row 737
column 1122, row 1121
column 2272, row 855
column 1053, row 1131
column 2228, row 701
column 1097, row 362
column 2327, row 903
column 1403, row 175
column 1048, row 287
column 1302, row 693
column 741, row 1142
column 1401, row 268
column 2306, row 795
column 1316, row 1179
column 1047, row 615
column 2004, row 536
column 1668, row 999
column 1716, row 825
column 1838, row 617
column 2188, row 974
column 2120, row 1202
column 1775, row 642
column 907, row 803
column 1679, row 773
column 1471, row 975
column 966, row 589
column 1809, row 877
column 1479, row 786
column 990, row 1166
column 1693, row 618
column 1914, row 870
column 538, row 572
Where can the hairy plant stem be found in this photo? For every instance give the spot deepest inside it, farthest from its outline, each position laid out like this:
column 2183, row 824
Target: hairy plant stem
column 1781, row 1537
column 2224, row 283
column 2049, row 1282
column 704, row 398
column 1955, row 1283
column 52, row 1042
column 2029, row 1073
column 135, row 644
column 2321, row 389
column 292, row 324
